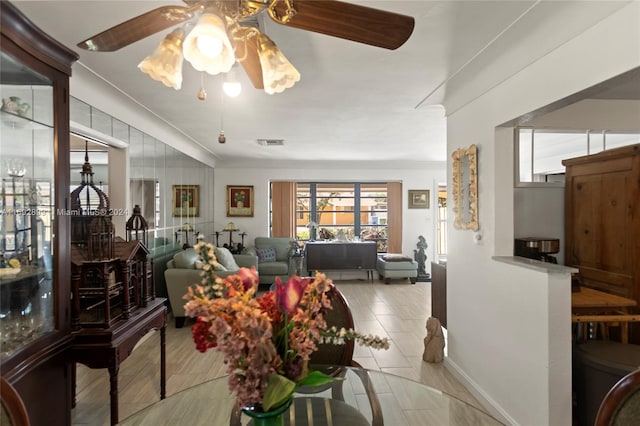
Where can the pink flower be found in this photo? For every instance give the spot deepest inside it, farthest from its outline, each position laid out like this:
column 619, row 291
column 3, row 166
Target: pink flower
column 288, row 296
column 249, row 277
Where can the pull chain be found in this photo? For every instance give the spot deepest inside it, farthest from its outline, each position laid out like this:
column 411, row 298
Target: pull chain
column 221, row 137
column 202, row 95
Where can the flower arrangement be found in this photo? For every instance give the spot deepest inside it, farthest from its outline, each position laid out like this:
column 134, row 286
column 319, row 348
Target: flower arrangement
column 266, row 340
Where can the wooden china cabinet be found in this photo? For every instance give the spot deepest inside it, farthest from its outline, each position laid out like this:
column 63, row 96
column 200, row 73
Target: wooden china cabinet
column 602, row 222
column 35, row 325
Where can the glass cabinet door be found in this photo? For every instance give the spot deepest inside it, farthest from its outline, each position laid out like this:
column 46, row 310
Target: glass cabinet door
column 27, row 302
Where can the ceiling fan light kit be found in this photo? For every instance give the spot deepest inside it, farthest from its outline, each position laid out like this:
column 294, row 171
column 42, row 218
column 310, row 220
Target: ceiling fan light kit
column 219, row 39
column 165, row 64
column 207, row 47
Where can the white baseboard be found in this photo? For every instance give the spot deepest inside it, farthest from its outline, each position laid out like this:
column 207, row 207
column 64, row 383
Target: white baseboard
column 492, row 406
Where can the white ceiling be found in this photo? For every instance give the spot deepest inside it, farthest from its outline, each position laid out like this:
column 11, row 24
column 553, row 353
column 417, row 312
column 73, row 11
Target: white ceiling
column 354, row 102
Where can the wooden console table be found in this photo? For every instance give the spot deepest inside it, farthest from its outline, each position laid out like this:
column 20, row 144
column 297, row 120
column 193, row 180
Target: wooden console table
column 589, row 300
column 331, row 256
column 108, row 348
column 593, row 306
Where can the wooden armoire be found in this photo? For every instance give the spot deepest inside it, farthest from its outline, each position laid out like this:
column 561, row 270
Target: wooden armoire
column 602, row 220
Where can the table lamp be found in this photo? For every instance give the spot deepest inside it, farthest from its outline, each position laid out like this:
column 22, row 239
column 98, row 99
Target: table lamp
column 231, row 227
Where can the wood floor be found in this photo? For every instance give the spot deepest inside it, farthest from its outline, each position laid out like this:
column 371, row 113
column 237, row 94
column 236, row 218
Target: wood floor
column 398, row 311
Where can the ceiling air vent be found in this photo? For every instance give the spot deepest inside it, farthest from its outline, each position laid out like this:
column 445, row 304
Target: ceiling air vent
column 271, row 142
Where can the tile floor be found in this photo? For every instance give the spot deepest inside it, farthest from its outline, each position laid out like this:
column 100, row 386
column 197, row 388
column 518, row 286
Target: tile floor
column 398, row 311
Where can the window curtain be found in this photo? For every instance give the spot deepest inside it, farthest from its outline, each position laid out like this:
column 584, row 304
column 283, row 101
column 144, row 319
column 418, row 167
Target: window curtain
column 394, row 217
column 283, row 209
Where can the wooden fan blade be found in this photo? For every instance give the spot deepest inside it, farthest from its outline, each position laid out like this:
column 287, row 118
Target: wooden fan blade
column 250, row 61
column 137, row 28
column 351, row 22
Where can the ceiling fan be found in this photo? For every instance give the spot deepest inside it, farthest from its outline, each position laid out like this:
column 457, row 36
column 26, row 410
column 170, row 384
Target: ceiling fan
column 237, row 40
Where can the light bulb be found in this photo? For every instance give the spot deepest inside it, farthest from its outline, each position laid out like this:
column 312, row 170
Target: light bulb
column 209, row 46
column 232, row 88
column 221, row 137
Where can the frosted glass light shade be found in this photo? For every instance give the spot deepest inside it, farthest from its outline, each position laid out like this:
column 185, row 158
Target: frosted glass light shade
column 165, row 64
column 207, row 46
column 277, row 72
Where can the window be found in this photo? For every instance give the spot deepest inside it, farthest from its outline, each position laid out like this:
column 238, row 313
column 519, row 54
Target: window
column 539, row 152
column 358, row 210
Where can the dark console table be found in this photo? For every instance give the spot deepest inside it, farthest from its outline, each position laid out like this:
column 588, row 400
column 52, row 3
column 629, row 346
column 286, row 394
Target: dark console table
column 439, row 292
column 330, row 256
column 108, row 347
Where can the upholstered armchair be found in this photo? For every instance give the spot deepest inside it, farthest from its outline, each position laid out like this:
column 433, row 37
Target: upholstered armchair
column 274, row 258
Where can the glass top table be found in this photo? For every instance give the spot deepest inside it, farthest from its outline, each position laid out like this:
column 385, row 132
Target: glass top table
column 363, row 397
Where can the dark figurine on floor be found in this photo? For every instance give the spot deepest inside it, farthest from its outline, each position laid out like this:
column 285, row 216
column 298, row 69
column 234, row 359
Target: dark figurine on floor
column 420, row 256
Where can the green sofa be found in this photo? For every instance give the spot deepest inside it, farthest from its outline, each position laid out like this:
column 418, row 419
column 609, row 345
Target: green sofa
column 282, row 266
column 182, row 272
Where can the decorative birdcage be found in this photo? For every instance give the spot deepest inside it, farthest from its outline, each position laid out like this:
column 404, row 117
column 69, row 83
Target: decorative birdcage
column 91, row 225
column 110, row 278
column 137, row 227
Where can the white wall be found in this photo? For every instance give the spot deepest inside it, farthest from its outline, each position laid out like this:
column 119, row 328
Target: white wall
column 502, row 340
column 415, row 222
column 539, row 212
column 593, row 114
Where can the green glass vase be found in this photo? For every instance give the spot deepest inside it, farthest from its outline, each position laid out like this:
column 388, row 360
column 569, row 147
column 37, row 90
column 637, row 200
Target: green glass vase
column 274, row 417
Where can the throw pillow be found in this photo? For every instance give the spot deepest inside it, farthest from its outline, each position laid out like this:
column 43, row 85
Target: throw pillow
column 225, row 258
column 266, row 255
column 185, row 259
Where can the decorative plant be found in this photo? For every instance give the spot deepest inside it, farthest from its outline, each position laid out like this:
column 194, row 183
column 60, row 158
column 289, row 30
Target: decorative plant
column 267, row 341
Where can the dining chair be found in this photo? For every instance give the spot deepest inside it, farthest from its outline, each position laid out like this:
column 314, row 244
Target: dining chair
column 13, row 411
column 328, row 356
column 621, row 405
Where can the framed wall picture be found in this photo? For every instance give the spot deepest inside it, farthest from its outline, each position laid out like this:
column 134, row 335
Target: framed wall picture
column 418, row 198
column 186, row 200
column 239, row 201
